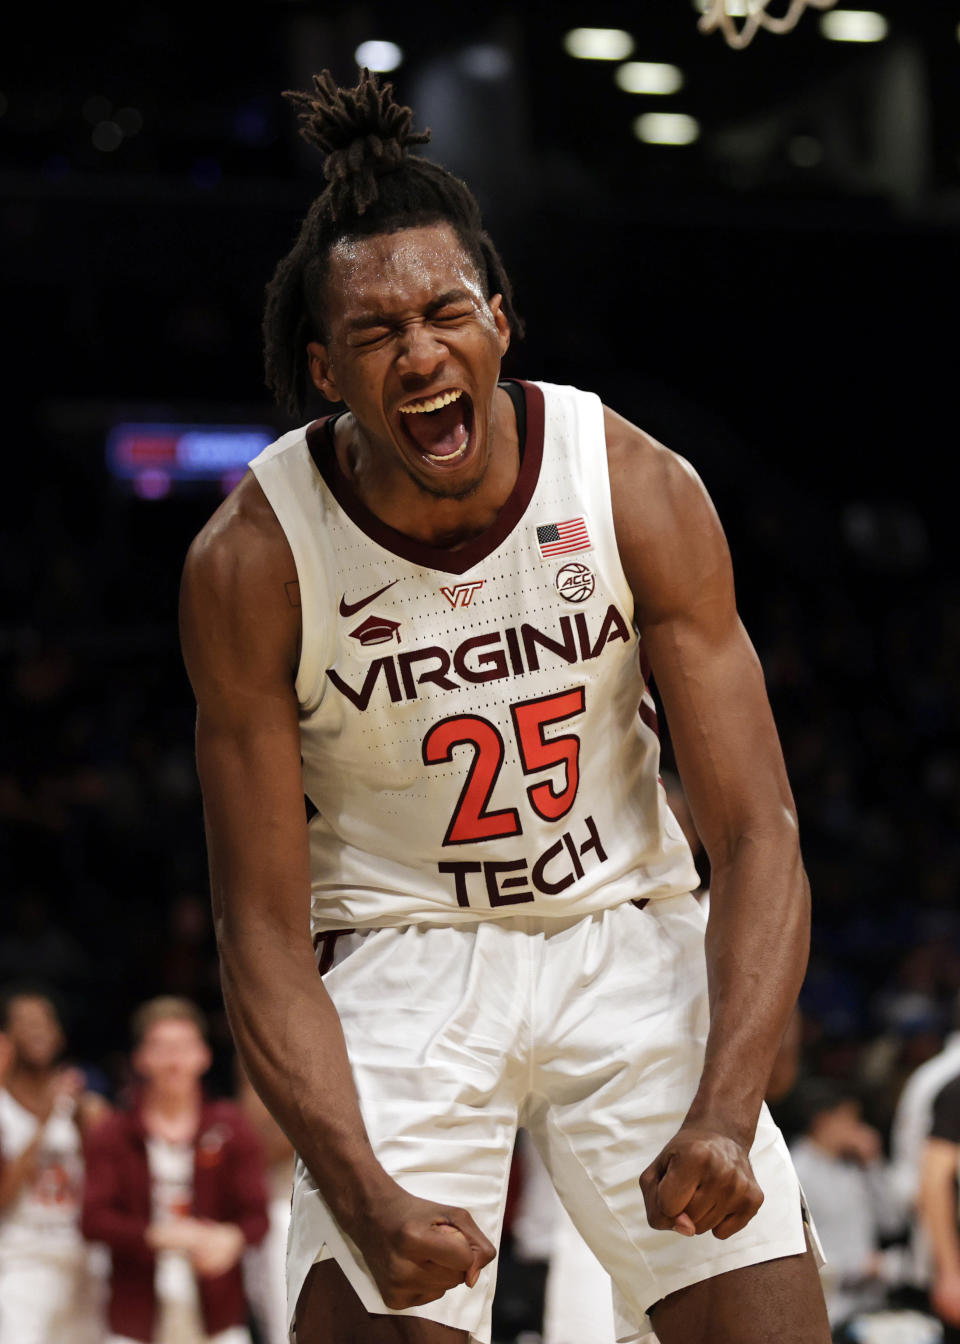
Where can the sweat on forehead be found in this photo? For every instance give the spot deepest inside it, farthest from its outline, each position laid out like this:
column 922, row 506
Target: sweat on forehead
column 408, row 264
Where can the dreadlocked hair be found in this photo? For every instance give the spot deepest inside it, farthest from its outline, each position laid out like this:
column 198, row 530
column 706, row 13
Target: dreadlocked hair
column 373, row 186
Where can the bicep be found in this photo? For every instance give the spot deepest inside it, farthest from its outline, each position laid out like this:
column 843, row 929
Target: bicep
column 721, row 726
column 707, row 673
column 237, row 638
column 254, row 816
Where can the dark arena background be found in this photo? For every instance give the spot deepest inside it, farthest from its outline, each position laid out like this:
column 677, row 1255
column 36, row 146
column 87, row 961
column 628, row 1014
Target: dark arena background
column 773, row 294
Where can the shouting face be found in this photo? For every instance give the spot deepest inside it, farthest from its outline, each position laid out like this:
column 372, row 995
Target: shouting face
column 413, row 346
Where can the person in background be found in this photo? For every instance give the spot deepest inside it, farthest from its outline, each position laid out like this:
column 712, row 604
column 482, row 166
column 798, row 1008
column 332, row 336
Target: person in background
column 176, row 1189
column 265, row 1266
column 48, row 1290
column 839, row 1160
column 909, row 1130
column 938, row 1209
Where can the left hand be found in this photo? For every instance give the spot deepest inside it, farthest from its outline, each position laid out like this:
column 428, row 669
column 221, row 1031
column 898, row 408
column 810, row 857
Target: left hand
column 217, row 1248
column 701, row 1181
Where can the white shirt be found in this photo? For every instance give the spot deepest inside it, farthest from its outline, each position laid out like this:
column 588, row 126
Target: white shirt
column 44, row 1219
column 909, row 1130
column 171, row 1180
column 852, row 1207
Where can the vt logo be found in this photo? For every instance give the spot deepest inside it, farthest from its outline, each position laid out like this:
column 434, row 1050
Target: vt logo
column 461, row 594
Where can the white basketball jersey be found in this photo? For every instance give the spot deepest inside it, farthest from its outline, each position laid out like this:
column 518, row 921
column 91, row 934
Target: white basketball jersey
column 477, row 737
column 44, row 1219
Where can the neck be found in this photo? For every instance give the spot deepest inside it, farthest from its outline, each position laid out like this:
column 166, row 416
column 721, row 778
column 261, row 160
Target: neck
column 30, row 1085
column 171, row 1108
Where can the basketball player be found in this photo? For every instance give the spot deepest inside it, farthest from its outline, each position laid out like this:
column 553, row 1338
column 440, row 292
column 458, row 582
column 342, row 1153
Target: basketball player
column 48, row 1290
column 431, row 613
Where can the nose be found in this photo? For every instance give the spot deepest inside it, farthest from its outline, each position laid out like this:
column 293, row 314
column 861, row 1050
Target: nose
column 421, row 353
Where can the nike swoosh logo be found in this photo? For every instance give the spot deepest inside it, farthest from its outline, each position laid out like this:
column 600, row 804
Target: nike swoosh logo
column 348, row 608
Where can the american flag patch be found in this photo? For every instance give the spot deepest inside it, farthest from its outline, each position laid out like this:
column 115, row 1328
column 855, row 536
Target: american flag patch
column 562, row 538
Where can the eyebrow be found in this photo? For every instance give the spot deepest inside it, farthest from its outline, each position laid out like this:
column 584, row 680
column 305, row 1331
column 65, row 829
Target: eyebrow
column 376, row 319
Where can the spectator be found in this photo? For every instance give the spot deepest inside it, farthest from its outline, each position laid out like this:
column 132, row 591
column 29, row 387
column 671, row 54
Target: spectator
column 176, row 1190
column 911, row 1126
column 938, row 1208
column 265, row 1266
column 839, row 1161
column 47, row 1288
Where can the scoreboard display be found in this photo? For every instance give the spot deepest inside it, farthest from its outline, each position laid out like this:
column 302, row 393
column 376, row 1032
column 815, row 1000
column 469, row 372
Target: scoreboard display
column 153, row 460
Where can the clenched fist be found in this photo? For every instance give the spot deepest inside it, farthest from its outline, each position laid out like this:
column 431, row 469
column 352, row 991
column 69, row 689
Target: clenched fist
column 416, row 1249
column 701, row 1181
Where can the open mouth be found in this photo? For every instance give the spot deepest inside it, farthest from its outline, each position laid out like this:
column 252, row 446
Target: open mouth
column 439, row 426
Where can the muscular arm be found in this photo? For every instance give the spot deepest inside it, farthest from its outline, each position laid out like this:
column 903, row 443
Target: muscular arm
column 711, row 685
column 239, row 636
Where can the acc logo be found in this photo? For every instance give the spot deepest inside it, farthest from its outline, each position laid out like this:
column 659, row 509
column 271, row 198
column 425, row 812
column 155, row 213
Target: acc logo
column 376, row 630
column 575, row 582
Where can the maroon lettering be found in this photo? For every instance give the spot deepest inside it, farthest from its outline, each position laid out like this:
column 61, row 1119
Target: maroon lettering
column 594, row 841
column 493, row 662
column 502, row 890
column 460, row 869
column 490, row 657
column 614, row 627
column 583, row 635
column 513, row 648
column 532, row 637
column 361, row 698
column 496, row 890
column 540, row 879
column 572, row 851
column 438, row 675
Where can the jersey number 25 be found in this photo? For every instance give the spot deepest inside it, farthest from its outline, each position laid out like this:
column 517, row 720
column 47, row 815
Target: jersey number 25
column 472, row 818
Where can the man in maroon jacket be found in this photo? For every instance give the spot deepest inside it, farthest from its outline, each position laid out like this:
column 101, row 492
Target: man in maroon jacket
column 175, row 1188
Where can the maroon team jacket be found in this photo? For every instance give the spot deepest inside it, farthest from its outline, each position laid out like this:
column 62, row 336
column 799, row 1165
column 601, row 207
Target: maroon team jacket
column 228, row 1187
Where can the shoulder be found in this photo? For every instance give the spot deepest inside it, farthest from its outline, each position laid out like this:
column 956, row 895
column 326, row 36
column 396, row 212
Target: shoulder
column 664, row 481
column 239, row 593
column 117, row 1129
column 241, row 538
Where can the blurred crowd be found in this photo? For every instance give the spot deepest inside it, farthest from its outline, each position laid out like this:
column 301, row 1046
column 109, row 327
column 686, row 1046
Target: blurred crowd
column 105, row 902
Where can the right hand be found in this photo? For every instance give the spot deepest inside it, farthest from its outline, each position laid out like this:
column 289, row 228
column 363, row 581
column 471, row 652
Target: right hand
column 416, row 1249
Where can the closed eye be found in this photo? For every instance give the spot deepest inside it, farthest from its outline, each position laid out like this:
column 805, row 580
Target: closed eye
column 374, row 337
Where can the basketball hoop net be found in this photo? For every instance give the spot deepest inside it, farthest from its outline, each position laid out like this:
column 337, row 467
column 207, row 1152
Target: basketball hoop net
column 722, row 14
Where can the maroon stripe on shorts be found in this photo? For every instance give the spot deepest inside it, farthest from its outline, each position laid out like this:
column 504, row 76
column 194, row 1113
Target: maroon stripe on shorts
column 325, row 944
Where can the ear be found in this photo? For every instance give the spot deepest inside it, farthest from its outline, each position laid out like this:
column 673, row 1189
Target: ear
column 321, row 374
column 495, row 304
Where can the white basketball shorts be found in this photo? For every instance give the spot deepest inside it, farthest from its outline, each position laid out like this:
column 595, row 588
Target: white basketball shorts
column 589, row 1032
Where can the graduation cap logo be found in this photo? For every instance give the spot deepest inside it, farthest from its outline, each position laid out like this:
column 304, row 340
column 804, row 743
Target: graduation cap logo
column 376, row 630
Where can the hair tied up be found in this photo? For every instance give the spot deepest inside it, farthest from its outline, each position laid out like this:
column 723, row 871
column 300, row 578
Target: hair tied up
column 334, row 119
column 371, row 150
column 374, row 185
